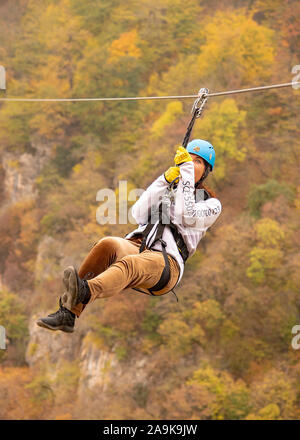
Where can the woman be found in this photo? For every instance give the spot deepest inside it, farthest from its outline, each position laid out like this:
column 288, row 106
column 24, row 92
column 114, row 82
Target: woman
column 151, row 258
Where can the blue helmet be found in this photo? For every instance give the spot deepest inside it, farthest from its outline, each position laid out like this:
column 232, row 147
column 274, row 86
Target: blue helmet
column 203, row 149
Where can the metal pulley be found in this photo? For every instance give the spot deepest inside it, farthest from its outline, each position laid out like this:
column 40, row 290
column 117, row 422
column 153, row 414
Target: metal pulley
column 197, row 110
column 200, row 102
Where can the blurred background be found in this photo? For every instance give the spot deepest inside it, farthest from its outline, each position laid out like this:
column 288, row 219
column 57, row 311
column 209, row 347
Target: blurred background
column 224, row 351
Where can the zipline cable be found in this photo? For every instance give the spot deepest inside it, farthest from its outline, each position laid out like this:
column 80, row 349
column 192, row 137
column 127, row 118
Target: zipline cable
column 140, row 98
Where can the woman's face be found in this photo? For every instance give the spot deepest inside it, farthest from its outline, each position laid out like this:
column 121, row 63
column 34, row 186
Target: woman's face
column 199, row 166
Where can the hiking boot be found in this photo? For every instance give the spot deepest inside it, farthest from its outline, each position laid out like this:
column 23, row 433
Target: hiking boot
column 76, row 290
column 63, row 320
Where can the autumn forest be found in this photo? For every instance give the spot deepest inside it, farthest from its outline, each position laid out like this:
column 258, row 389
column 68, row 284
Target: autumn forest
column 224, row 350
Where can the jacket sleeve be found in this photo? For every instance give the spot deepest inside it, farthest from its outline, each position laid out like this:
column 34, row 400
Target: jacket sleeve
column 149, row 200
column 200, row 215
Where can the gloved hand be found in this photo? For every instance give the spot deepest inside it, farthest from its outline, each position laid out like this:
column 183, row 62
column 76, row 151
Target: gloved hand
column 171, row 174
column 182, row 156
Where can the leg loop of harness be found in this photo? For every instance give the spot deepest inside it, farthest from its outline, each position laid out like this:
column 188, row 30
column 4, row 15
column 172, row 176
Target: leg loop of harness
column 165, row 276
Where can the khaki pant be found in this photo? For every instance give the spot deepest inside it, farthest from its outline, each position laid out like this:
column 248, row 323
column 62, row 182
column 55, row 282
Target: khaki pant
column 115, row 264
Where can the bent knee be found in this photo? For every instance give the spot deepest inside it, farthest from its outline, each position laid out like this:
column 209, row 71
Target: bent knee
column 127, row 260
column 130, row 263
column 108, row 242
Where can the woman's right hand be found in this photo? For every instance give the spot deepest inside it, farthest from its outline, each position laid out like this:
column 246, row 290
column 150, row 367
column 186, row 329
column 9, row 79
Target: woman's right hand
column 171, row 174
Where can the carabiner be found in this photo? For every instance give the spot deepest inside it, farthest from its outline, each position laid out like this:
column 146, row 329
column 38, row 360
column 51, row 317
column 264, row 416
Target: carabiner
column 200, row 102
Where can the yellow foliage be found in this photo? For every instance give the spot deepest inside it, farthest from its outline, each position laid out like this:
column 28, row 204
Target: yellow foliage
column 13, row 164
column 275, row 391
column 267, row 255
column 173, row 110
column 91, row 338
column 125, row 45
column 224, row 127
column 269, row 412
column 67, row 378
column 209, row 313
column 237, row 48
column 179, row 336
column 269, row 232
column 262, row 260
column 226, row 398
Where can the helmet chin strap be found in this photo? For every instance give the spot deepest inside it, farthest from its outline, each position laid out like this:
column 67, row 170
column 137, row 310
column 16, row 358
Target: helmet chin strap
column 204, row 175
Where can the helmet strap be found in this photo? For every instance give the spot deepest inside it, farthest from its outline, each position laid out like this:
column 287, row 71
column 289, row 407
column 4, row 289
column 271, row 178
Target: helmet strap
column 204, row 175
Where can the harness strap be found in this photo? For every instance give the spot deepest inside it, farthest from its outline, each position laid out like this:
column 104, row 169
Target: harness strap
column 145, row 235
column 146, row 293
column 166, row 273
column 180, row 243
column 165, row 276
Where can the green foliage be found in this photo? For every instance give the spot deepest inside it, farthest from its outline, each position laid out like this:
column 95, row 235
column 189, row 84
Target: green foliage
column 121, row 353
column 107, row 338
column 194, row 263
column 151, row 321
column 9, row 229
column 260, row 194
column 12, row 316
column 67, row 377
column 209, row 313
column 14, row 129
column 109, row 335
column 32, row 348
column 267, row 256
column 14, row 319
column 226, row 399
column 179, row 335
column 80, row 190
column 63, row 166
column 41, row 389
column 140, row 394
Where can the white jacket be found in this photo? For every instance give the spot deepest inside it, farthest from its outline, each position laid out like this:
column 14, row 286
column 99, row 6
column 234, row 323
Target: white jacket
column 191, row 218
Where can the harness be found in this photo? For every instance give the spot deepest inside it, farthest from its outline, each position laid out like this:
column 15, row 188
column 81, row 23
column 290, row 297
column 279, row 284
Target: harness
column 163, row 212
column 163, row 217
column 163, row 221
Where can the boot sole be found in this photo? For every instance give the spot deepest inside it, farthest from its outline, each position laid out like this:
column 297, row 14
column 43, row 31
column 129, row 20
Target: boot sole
column 63, row 328
column 69, row 297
